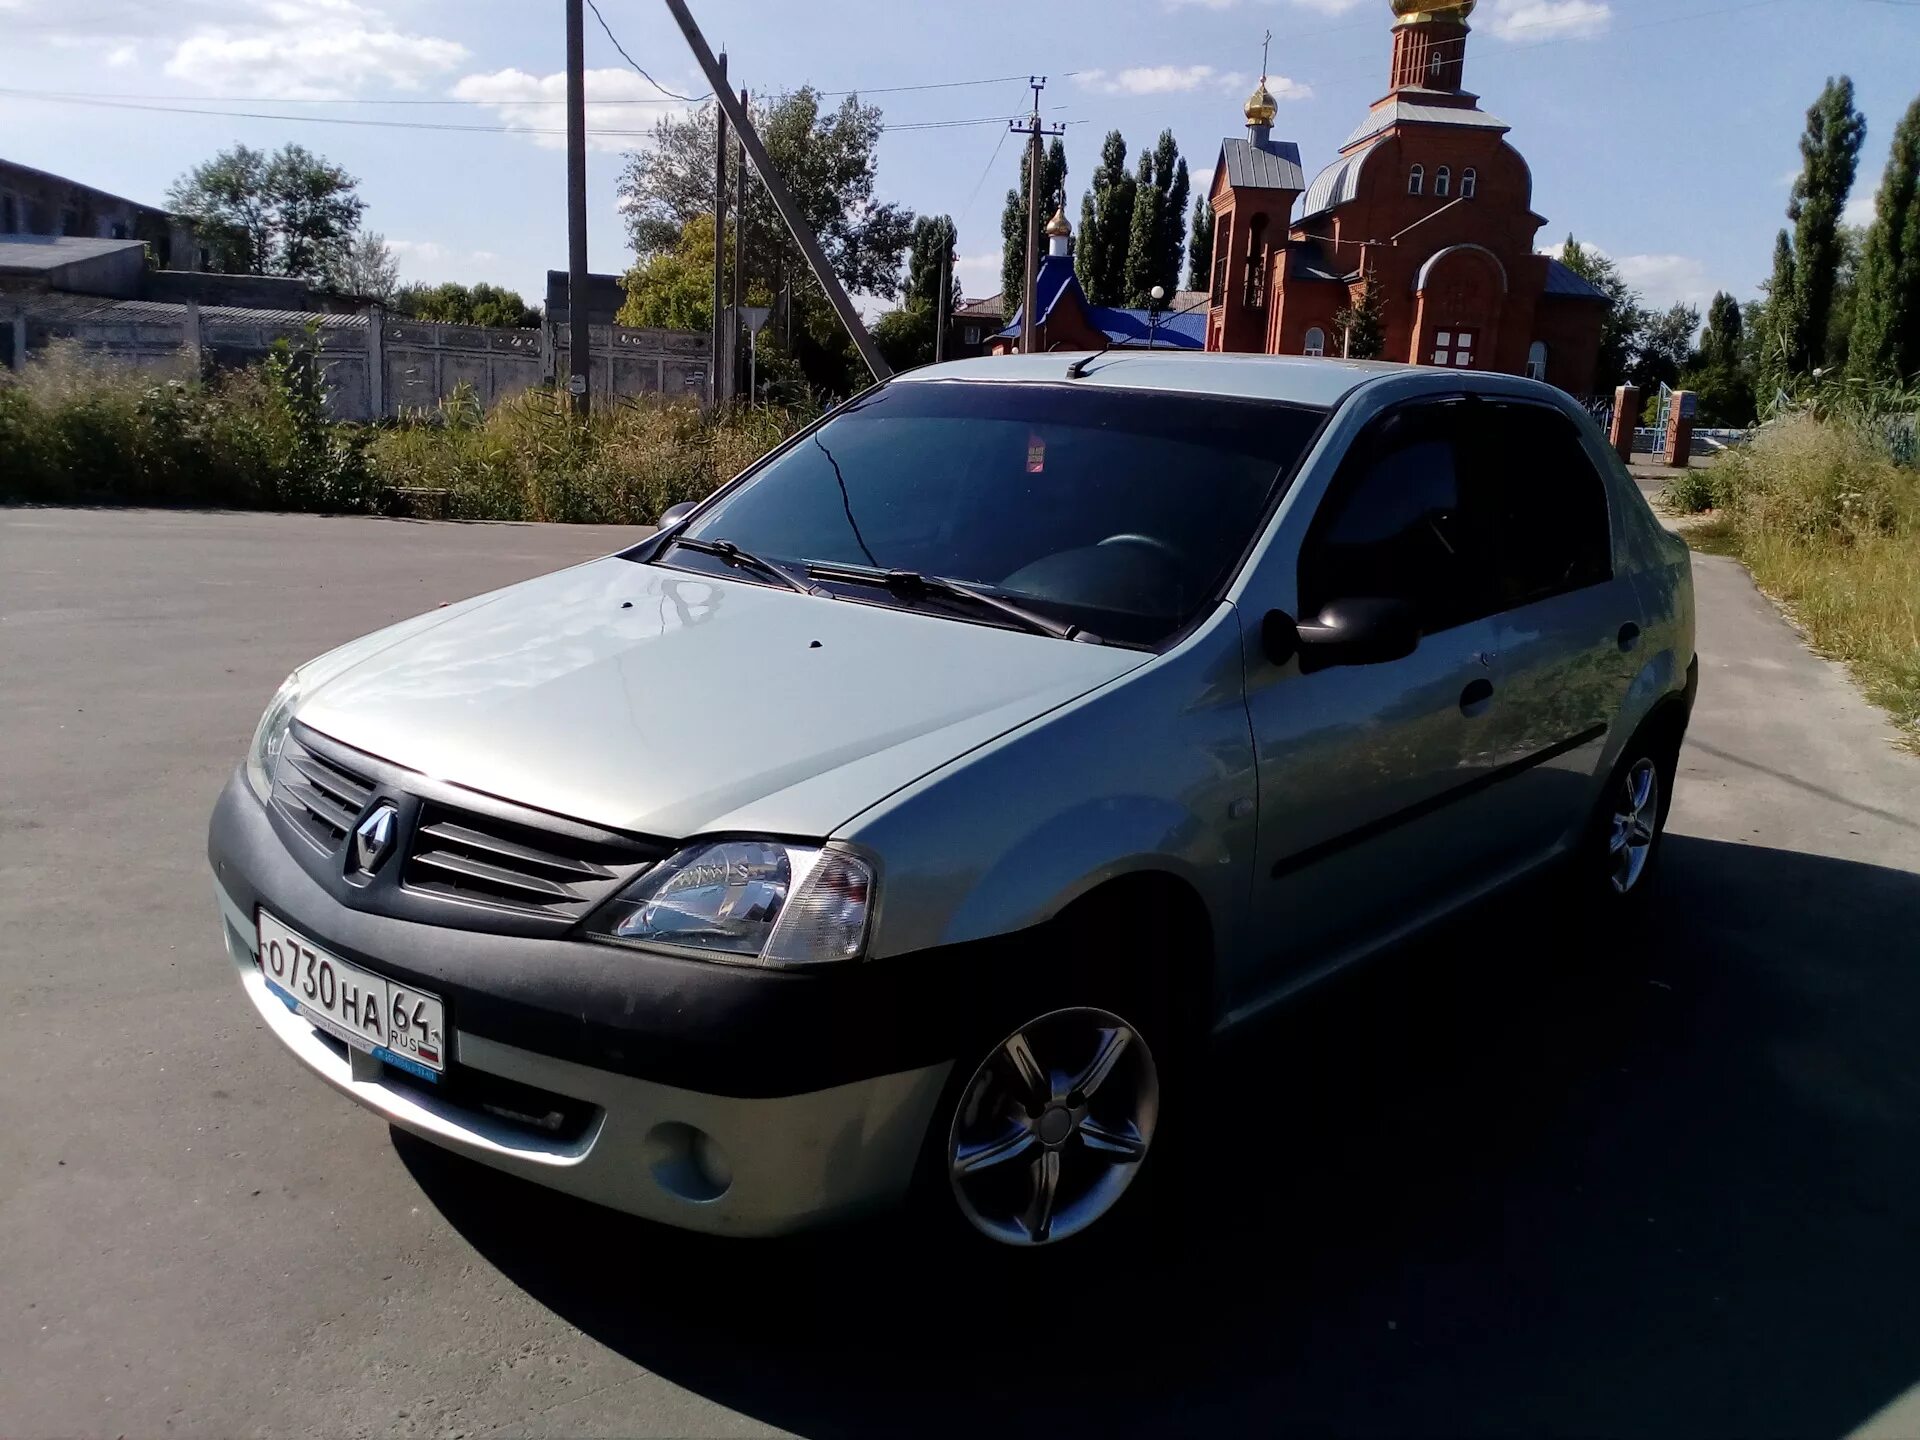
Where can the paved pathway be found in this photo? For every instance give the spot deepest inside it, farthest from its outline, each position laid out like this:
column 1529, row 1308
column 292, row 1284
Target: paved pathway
column 1493, row 1186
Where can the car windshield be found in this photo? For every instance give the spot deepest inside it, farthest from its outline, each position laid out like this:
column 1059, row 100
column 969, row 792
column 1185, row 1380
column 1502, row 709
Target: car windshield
column 1120, row 512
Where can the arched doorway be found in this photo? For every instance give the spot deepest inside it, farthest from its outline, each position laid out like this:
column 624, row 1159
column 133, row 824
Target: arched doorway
column 1459, row 295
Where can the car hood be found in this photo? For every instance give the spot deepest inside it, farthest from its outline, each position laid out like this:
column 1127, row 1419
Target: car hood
column 655, row 700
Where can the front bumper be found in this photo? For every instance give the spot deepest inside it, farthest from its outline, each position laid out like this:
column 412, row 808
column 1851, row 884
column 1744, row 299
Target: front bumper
column 754, row 1163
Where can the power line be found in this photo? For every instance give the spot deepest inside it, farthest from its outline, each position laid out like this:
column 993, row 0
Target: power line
column 636, row 64
column 92, row 102
column 462, row 99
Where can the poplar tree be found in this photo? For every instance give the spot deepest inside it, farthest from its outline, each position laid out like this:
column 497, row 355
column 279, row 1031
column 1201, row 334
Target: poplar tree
column 1830, row 156
column 1106, row 222
column 1153, row 241
column 1200, row 246
column 1886, row 327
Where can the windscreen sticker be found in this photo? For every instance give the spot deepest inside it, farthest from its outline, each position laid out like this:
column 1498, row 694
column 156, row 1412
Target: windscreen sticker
column 1036, row 454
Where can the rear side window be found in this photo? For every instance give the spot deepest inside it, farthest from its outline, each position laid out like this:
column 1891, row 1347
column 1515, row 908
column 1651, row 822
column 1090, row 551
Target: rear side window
column 1461, row 508
column 1543, row 503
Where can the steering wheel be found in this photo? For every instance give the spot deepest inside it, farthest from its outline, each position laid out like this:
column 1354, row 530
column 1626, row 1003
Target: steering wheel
column 1160, row 547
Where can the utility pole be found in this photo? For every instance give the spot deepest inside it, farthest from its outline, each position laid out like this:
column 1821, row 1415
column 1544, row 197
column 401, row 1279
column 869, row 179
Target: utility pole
column 1033, row 129
column 579, row 360
column 943, row 305
column 739, row 265
column 778, row 193
column 717, row 383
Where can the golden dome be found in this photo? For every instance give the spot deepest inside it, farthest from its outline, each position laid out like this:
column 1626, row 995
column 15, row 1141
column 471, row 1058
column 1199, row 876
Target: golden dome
column 1058, row 225
column 1261, row 106
column 1409, row 12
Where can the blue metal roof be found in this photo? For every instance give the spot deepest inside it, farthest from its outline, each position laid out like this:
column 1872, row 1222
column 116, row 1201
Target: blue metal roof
column 1137, row 327
column 1569, row 283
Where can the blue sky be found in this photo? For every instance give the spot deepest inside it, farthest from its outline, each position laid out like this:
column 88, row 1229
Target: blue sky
column 1662, row 131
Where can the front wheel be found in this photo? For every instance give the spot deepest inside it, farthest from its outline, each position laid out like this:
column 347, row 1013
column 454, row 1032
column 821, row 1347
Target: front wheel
column 1052, row 1128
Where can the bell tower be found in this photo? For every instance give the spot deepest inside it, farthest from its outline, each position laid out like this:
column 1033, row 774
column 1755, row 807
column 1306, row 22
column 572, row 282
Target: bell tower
column 1430, row 44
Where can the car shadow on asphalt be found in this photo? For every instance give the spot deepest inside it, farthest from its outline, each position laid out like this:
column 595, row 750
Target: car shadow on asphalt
column 1521, row 1177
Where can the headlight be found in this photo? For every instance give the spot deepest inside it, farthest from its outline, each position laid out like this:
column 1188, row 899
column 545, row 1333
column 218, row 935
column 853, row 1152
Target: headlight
column 270, row 734
column 747, row 902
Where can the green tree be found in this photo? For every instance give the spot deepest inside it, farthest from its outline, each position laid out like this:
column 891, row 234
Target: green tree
column 829, row 161
column 1774, row 323
column 1200, row 246
column 288, row 213
column 452, row 303
column 1363, row 325
column 1172, row 221
column 1664, row 348
column 1013, row 220
column 366, row 267
column 1153, row 239
column 1106, row 217
column 1621, row 328
column 934, row 238
column 1830, row 155
column 905, row 336
column 1724, row 342
column 1886, row 333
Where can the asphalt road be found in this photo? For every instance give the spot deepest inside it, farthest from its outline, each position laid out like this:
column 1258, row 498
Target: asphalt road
column 1521, row 1180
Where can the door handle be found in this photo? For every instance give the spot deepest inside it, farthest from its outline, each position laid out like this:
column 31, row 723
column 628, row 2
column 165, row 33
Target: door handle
column 1475, row 699
column 1629, row 637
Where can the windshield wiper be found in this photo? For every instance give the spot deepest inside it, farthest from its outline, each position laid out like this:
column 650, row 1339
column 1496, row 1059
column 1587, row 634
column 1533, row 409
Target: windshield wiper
column 912, row 585
column 746, row 560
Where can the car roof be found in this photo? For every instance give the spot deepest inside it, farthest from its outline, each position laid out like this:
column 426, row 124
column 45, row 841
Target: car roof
column 1295, row 379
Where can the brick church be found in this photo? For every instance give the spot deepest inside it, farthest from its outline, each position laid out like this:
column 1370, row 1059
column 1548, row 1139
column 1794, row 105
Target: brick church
column 1429, row 197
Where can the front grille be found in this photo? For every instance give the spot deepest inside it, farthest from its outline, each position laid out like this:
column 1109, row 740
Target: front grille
column 461, row 855
column 322, row 797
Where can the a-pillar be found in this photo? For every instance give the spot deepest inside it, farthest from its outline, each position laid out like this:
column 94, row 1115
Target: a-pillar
column 1626, row 415
column 1680, row 429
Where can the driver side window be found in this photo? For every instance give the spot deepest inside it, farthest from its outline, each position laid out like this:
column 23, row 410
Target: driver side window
column 1393, row 524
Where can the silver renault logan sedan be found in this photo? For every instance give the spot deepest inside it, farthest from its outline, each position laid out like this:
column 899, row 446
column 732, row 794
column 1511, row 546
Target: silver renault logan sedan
column 900, row 820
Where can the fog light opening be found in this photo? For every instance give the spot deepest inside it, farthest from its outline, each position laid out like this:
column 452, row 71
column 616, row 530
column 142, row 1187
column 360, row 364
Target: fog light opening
column 688, row 1162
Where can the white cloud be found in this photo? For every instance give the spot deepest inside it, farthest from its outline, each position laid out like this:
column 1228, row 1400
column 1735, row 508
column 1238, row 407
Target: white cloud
column 432, row 262
column 1664, row 280
column 315, row 50
column 526, row 102
column 1536, row 20
column 1860, row 211
column 979, row 275
column 121, row 56
column 1180, row 80
column 1332, row 7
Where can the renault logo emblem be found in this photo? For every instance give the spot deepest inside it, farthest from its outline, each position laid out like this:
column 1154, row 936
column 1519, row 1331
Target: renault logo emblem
column 373, row 838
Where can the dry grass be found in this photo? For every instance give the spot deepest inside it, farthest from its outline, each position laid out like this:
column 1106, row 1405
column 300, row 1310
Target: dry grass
column 1830, row 526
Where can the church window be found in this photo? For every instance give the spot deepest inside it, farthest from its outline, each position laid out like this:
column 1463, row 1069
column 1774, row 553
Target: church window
column 1316, row 342
column 1469, row 184
column 1442, row 181
column 1417, row 180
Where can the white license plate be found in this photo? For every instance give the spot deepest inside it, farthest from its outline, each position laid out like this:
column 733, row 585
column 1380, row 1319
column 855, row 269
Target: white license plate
column 401, row 1025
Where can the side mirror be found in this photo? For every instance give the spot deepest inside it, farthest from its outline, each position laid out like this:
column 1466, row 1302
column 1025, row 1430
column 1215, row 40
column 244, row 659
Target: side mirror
column 1346, row 632
column 674, row 514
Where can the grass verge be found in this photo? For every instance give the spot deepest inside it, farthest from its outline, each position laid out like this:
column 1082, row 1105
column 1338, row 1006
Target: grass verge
column 1829, row 524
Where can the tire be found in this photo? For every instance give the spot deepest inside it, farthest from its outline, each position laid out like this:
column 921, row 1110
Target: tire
column 1618, row 863
column 1054, row 1124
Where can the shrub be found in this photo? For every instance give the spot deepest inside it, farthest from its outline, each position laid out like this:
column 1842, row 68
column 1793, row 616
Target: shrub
column 80, row 427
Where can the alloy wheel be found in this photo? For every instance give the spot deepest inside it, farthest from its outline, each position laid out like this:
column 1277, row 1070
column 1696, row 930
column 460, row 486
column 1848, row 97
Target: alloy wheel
column 1053, row 1126
column 1636, row 818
